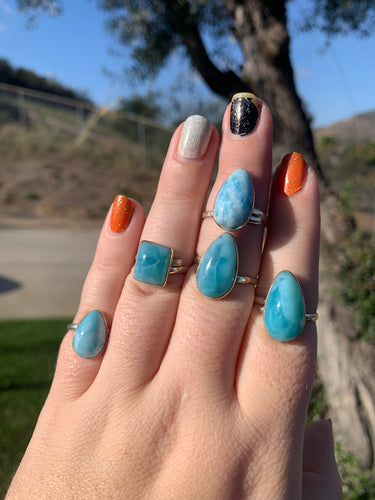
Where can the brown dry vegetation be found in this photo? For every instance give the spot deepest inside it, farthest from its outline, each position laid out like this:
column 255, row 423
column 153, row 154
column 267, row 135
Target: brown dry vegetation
column 44, row 176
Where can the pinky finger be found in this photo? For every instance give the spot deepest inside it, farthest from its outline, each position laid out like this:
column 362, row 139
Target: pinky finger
column 114, row 258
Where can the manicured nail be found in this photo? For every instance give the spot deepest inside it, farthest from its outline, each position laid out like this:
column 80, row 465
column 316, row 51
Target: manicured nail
column 244, row 113
column 91, row 335
column 293, row 173
column 195, row 137
column 122, row 211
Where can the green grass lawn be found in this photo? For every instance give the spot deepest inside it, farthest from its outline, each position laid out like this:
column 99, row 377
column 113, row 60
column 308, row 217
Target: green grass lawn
column 28, row 352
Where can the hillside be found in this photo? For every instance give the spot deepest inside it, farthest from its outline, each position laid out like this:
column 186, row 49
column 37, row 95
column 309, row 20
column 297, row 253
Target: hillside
column 358, row 128
column 45, row 177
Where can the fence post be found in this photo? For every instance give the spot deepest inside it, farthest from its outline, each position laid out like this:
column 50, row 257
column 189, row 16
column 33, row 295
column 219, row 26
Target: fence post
column 22, row 113
column 142, row 138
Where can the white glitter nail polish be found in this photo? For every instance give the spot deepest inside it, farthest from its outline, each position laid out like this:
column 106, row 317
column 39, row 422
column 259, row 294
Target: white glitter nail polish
column 195, row 137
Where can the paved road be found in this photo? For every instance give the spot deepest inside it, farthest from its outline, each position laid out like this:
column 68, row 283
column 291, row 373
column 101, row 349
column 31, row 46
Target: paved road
column 42, row 271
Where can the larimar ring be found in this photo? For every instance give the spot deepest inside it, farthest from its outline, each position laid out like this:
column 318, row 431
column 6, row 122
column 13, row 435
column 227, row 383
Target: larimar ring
column 284, row 308
column 234, row 203
column 217, row 272
column 91, row 335
column 155, row 262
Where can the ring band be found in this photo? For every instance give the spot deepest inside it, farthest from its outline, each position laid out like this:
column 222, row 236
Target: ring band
column 234, row 203
column 261, row 301
column 284, row 308
column 155, row 262
column 72, row 326
column 217, row 271
column 256, row 217
column 242, row 280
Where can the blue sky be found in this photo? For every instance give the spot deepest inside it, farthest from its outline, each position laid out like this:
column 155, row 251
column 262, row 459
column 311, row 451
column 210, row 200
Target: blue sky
column 75, row 49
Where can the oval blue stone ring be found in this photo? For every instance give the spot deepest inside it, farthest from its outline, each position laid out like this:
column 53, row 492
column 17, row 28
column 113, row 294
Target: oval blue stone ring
column 284, row 308
column 217, row 270
column 234, row 204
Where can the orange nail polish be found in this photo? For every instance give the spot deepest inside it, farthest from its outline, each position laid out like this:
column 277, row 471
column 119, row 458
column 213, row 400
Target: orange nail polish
column 293, row 173
column 122, row 211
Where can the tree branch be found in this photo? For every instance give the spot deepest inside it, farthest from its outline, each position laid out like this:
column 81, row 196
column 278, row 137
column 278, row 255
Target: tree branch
column 226, row 83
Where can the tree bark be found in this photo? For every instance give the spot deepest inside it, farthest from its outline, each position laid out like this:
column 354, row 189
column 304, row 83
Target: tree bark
column 260, row 27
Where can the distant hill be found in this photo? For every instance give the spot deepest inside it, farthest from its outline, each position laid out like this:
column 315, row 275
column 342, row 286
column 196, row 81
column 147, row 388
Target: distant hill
column 359, row 128
column 22, row 77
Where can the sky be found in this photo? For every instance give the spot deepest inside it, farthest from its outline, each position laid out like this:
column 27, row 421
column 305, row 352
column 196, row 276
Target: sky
column 75, row 49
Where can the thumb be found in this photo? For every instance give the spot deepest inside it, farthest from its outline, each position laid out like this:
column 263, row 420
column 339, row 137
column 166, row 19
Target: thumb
column 321, row 478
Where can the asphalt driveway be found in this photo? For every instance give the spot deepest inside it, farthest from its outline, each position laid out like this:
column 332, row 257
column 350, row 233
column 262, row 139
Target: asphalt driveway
column 42, row 271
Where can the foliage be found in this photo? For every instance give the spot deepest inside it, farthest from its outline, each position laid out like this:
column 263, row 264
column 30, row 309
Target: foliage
column 355, row 268
column 357, row 484
column 26, row 78
column 350, row 167
column 148, row 106
column 342, row 16
column 155, row 29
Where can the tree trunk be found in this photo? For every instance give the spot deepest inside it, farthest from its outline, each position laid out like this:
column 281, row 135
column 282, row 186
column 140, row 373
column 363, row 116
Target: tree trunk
column 345, row 364
column 260, row 27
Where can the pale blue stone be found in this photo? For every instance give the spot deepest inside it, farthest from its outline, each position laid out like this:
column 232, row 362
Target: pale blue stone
column 234, row 201
column 153, row 263
column 284, row 311
column 91, row 335
column 217, row 271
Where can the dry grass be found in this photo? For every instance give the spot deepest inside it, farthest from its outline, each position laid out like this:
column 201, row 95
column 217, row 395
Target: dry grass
column 43, row 173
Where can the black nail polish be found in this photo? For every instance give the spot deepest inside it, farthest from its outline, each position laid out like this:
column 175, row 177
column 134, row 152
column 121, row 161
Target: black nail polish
column 244, row 114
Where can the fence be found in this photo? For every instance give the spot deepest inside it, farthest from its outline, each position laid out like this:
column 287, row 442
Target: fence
column 22, row 104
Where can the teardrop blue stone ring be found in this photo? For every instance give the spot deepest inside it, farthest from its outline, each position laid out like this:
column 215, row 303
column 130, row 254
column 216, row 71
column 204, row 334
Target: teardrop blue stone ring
column 217, row 270
column 91, row 335
column 234, row 204
column 284, row 308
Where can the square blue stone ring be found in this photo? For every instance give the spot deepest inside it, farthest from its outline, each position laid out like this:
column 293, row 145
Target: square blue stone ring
column 284, row 308
column 234, row 203
column 154, row 263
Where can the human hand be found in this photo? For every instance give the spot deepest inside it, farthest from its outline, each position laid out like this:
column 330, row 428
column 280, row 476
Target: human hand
column 192, row 398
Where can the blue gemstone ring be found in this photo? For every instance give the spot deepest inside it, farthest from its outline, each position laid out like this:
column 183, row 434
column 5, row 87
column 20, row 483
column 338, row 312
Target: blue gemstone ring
column 154, row 263
column 217, row 272
column 234, row 203
column 91, row 335
column 284, row 308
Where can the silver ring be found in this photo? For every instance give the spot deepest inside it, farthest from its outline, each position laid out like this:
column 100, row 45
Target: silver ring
column 154, row 263
column 242, row 280
column 284, row 308
column 260, row 301
column 256, row 217
column 234, row 203
column 217, row 271
column 72, row 326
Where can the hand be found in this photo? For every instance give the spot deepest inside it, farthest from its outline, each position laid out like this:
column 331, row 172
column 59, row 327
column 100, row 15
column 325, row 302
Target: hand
column 192, row 398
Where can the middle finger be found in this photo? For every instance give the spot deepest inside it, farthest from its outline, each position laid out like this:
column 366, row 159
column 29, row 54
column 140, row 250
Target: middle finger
column 219, row 324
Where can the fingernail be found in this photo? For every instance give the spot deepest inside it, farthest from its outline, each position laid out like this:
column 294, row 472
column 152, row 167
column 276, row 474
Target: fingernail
column 244, row 113
column 91, row 335
column 195, row 137
column 122, row 211
column 293, row 173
